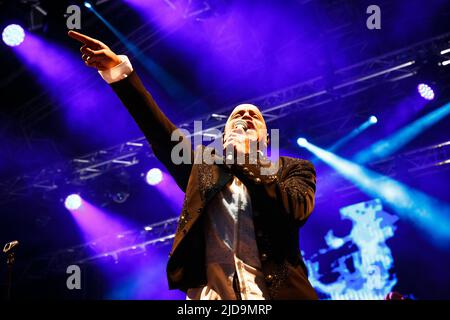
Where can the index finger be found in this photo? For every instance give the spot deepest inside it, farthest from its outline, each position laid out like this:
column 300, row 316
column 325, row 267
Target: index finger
column 83, row 38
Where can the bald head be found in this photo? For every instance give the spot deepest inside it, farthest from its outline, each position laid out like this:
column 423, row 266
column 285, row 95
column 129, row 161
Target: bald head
column 256, row 125
column 246, row 107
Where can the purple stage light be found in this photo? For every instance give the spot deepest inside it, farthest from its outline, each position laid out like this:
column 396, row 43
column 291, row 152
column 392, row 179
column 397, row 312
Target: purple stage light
column 73, row 202
column 96, row 222
column 170, row 192
column 154, row 176
column 82, row 106
column 425, row 91
column 13, row 35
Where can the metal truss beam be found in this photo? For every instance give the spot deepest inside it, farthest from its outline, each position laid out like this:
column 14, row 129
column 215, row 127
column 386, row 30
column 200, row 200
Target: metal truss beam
column 393, row 67
column 113, row 247
column 109, row 248
column 416, row 163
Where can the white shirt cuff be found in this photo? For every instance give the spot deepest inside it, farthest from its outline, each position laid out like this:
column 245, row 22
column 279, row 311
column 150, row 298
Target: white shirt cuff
column 119, row 72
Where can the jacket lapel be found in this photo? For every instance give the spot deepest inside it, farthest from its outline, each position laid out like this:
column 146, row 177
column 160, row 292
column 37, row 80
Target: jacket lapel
column 205, row 182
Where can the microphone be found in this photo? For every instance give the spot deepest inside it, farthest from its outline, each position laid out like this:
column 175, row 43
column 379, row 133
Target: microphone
column 9, row 250
column 237, row 124
column 241, row 123
column 9, row 246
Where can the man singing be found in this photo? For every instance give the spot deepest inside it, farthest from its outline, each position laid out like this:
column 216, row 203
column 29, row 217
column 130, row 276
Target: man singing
column 237, row 236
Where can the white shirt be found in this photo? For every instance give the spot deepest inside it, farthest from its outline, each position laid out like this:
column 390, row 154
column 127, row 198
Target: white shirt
column 231, row 246
column 229, row 235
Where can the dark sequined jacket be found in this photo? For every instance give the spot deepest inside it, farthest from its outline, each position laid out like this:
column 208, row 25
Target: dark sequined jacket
column 281, row 204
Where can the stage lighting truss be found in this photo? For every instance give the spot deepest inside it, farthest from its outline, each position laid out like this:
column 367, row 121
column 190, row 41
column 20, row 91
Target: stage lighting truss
column 37, row 16
column 37, row 13
column 107, row 249
column 414, row 163
column 113, row 248
column 355, row 79
column 190, row 8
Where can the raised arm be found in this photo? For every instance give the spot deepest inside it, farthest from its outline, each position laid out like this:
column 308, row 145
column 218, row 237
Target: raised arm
column 156, row 127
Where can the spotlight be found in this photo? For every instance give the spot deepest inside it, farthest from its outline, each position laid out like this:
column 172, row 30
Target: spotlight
column 302, row 142
column 373, row 119
column 13, row 35
column 87, row 5
column 73, row 202
column 154, row 176
column 120, row 197
column 425, row 91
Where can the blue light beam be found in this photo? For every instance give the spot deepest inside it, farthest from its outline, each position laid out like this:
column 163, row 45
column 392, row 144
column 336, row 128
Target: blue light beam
column 364, row 126
column 348, row 137
column 391, row 144
column 163, row 77
column 424, row 211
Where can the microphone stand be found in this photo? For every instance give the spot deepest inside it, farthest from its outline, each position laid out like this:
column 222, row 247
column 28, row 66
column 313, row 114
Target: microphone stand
column 10, row 260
